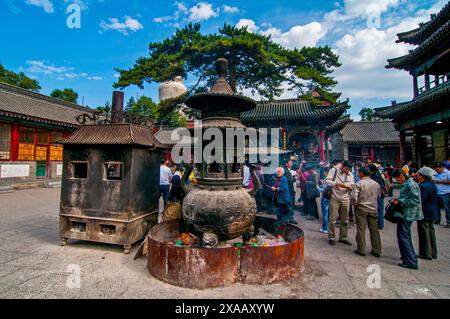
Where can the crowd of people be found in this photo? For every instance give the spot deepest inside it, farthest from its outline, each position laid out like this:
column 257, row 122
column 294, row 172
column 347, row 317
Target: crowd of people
column 355, row 193
column 349, row 193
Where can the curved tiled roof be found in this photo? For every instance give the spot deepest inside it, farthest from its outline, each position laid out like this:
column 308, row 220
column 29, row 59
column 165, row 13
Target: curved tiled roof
column 112, row 134
column 294, row 110
column 370, row 132
column 438, row 92
column 420, row 34
column 39, row 107
column 338, row 125
column 20, row 103
column 404, row 62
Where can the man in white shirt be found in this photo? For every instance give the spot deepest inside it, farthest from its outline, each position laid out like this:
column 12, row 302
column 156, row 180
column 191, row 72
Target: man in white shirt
column 341, row 180
column 165, row 174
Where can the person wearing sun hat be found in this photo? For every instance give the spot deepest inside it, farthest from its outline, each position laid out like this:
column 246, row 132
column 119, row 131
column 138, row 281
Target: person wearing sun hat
column 430, row 208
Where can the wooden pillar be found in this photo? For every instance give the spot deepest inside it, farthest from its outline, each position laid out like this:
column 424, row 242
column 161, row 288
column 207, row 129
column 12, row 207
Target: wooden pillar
column 372, row 153
column 322, row 145
column 427, row 80
column 402, row 146
column 415, row 86
column 15, row 137
column 418, row 148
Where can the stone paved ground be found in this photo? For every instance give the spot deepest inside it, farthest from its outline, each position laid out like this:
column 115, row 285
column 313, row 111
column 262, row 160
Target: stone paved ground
column 33, row 265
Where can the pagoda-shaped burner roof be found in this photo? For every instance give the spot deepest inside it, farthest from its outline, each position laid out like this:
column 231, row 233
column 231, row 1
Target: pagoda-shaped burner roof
column 221, row 85
column 220, row 101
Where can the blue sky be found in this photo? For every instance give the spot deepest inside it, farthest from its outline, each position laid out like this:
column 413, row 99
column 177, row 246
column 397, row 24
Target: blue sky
column 113, row 33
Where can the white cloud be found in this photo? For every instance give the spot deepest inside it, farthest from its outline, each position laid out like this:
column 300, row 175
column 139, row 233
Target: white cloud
column 47, row 5
column 162, row 19
column 363, row 50
column 75, row 75
column 229, row 9
column 364, row 53
column 59, row 72
column 181, row 8
column 71, row 75
column 116, row 75
column 45, row 67
column 371, row 10
column 129, row 24
column 369, row 7
column 250, row 24
column 298, row 36
column 202, row 11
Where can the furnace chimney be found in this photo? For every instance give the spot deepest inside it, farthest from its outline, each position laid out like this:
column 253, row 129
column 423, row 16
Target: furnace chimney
column 117, row 107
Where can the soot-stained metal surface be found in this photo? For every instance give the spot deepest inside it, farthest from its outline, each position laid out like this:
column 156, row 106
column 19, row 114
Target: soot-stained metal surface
column 109, row 190
column 202, row 268
column 116, row 209
column 219, row 207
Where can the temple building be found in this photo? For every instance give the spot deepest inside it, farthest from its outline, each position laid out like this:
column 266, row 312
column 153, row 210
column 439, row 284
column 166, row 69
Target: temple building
column 30, row 124
column 304, row 127
column 426, row 117
column 359, row 141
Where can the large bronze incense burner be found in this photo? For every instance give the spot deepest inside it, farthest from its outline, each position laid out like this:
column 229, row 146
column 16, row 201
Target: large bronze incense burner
column 220, row 240
column 219, row 206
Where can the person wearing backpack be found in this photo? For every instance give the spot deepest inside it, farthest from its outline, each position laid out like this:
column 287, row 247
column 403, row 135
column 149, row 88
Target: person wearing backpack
column 340, row 179
column 176, row 193
column 376, row 176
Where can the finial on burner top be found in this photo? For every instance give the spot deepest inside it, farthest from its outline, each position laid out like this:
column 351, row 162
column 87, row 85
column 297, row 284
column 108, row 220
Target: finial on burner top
column 222, row 67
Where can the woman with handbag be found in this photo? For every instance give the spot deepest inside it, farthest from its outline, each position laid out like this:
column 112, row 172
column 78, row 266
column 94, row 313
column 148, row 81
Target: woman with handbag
column 412, row 211
column 311, row 193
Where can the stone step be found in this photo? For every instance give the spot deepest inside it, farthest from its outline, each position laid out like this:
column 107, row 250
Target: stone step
column 53, row 184
column 6, row 189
